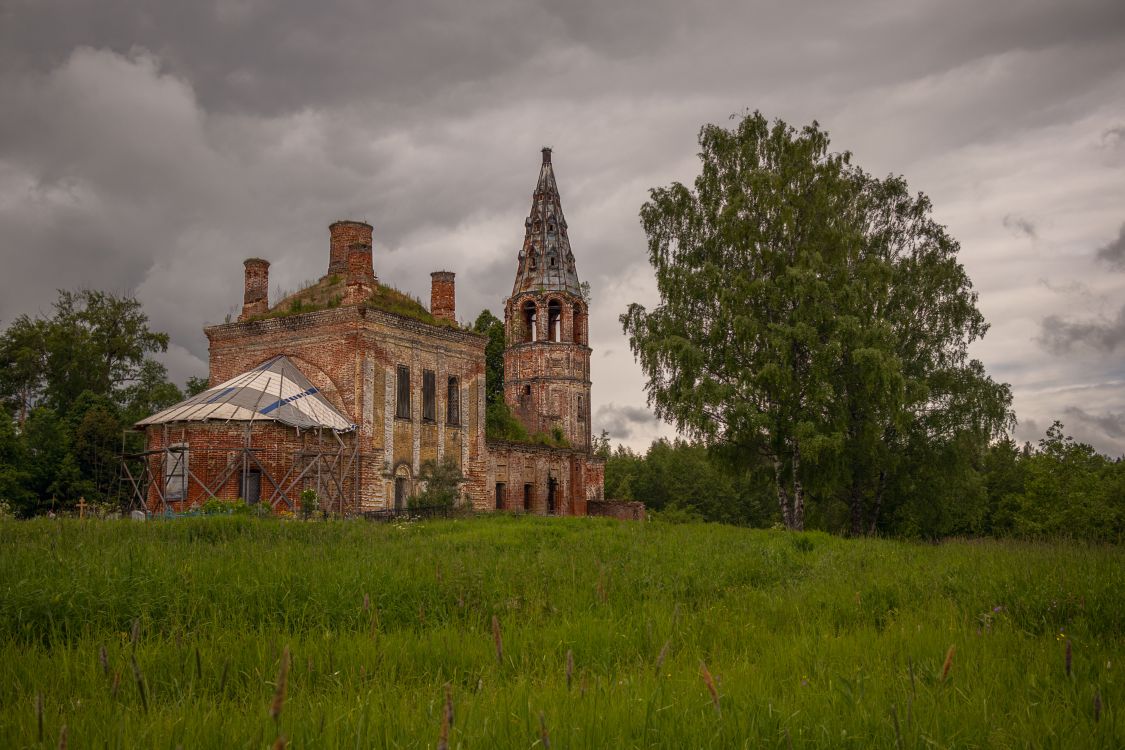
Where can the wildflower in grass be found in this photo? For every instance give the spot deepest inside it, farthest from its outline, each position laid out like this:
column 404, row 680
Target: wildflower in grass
column 140, row 680
column 948, row 665
column 103, row 659
column 543, row 732
column 280, row 742
column 497, row 640
column 279, row 688
column 446, row 718
column 709, row 681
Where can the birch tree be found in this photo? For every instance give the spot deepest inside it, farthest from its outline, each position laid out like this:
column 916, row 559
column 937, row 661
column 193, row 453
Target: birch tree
column 810, row 317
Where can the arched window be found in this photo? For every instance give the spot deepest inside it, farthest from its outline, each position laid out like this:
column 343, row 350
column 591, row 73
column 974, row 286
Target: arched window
column 530, row 317
column 554, row 320
column 579, row 325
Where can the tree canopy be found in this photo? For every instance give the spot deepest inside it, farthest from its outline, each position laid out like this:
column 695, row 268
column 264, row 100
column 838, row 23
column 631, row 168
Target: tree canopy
column 812, row 319
column 70, row 384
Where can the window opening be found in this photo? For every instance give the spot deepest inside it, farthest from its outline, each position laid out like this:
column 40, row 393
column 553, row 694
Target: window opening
column 176, row 472
column 581, row 411
column 529, row 320
column 499, row 496
column 554, row 320
column 528, row 490
column 552, row 489
column 402, row 410
column 252, row 486
column 453, row 402
column 428, row 389
column 579, row 326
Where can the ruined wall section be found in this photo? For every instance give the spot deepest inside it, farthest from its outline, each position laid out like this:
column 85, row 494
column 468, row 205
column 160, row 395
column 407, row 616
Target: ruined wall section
column 520, row 478
column 352, row 354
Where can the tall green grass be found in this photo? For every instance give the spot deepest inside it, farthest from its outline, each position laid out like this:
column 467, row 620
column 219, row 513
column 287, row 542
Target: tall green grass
column 809, row 640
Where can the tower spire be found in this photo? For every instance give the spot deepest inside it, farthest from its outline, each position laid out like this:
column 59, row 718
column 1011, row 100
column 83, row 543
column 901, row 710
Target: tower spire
column 545, row 260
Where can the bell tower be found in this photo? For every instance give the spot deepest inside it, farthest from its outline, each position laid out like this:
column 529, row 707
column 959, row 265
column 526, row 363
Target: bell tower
column 547, row 360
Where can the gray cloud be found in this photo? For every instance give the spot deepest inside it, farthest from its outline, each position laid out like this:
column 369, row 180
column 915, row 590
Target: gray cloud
column 150, row 147
column 1113, row 252
column 1020, row 226
column 1111, row 425
column 1060, row 335
column 1114, row 137
column 619, row 421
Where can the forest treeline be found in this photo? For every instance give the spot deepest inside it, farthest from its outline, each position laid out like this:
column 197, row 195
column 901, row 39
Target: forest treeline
column 72, row 383
column 1056, row 487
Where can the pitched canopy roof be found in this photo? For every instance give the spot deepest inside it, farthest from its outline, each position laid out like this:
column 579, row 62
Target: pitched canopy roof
column 275, row 391
column 546, row 262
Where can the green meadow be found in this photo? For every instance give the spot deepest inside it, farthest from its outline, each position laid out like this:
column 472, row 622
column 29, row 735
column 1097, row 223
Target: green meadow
column 554, row 632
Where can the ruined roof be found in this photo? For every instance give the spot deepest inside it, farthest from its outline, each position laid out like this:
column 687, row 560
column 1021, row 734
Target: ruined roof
column 275, row 391
column 545, row 261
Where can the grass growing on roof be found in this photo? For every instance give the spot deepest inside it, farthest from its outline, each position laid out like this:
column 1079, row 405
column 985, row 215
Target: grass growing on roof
column 616, row 634
column 329, row 292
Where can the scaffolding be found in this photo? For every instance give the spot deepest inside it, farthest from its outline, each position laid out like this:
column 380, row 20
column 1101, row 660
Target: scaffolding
column 275, row 393
column 330, row 467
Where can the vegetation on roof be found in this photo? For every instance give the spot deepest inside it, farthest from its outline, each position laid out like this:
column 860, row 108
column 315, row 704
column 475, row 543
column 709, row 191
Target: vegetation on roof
column 501, row 424
column 328, row 293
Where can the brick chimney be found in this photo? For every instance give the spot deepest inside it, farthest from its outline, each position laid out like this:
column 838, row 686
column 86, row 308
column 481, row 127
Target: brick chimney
column 443, row 297
column 255, row 288
column 343, row 235
column 359, row 273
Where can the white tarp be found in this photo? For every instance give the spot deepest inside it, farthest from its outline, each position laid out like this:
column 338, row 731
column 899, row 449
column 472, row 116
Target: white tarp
column 274, row 391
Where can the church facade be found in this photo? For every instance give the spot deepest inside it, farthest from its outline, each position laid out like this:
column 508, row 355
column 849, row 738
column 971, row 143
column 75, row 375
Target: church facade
column 352, row 389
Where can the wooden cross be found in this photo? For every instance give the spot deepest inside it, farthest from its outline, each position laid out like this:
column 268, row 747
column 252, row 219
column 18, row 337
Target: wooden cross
column 81, row 507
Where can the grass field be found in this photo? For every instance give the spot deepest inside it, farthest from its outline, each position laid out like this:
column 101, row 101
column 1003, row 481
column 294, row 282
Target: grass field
column 176, row 633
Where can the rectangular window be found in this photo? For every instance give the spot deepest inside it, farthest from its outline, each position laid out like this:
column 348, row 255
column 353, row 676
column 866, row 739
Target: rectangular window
column 428, row 410
column 581, row 410
column 499, row 496
column 453, row 402
column 176, row 472
column 528, row 491
column 402, row 410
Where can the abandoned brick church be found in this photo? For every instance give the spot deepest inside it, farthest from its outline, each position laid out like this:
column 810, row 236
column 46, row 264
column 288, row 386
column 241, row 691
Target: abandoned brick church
column 352, row 389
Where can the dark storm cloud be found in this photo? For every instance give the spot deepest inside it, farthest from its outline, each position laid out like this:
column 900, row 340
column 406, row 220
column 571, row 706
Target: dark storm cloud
column 148, row 147
column 1111, row 425
column 619, row 421
column 1018, row 225
column 1113, row 252
column 1060, row 335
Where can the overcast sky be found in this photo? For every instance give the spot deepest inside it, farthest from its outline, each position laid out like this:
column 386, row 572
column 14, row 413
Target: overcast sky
column 148, row 148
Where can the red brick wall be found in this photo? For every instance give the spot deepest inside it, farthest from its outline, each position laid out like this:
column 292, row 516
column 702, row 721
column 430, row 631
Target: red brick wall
column 351, row 354
column 443, row 297
column 255, row 287
column 557, row 373
column 515, row 465
column 342, row 235
column 215, row 463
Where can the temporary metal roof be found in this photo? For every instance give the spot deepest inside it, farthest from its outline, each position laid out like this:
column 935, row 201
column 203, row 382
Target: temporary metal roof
column 274, row 391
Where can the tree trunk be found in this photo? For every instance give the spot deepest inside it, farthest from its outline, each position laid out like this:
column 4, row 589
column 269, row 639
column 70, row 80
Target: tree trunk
column 855, row 503
column 798, row 492
column 878, row 501
column 782, row 496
